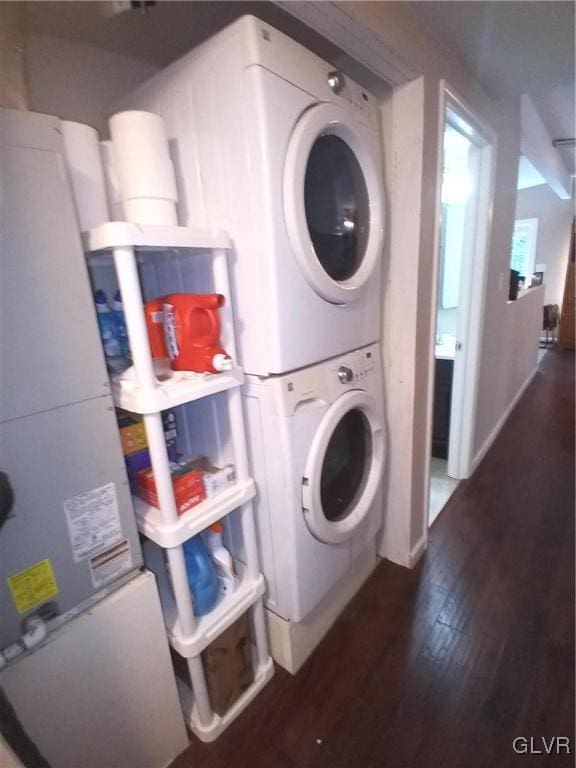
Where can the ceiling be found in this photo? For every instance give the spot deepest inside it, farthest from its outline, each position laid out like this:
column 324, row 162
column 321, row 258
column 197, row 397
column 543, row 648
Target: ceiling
column 511, row 46
column 170, row 29
column 158, row 36
column 514, row 47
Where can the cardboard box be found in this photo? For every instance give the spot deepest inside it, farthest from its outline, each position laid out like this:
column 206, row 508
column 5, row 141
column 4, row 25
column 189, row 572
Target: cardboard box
column 228, row 666
column 133, row 437
column 133, row 433
column 216, row 479
column 134, row 463
column 188, row 488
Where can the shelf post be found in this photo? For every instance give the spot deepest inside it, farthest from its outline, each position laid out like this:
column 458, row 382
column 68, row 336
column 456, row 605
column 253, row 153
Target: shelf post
column 243, row 473
column 182, row 594
column 222, row 285
column 161, row 467
column 129, row 284
column 236, row 417
column 198, row 680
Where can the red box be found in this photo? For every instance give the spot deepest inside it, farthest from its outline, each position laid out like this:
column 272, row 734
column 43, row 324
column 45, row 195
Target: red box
column 188, row 489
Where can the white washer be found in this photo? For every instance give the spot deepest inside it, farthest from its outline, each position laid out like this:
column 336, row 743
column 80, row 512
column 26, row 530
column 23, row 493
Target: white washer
column 274, row 145
column 317, row 446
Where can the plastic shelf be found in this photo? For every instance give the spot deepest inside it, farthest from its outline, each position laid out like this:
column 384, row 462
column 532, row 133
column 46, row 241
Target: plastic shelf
column 124, row 234
column 209, row 627
column 173, row 392
column 263, row 673
column 196, row 519
column 123, row 246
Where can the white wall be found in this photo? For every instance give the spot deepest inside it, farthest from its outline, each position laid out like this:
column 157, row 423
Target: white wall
column 509, row 366
column 13, row 93
column 536, row 145
column 502, row 338
column 554, row 222
column 403, row 35
column 402, row 121
column 79, row 82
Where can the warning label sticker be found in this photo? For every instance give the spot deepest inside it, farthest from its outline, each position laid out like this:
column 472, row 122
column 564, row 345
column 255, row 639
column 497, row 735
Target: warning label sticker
column 33, row 586
column 93, row 520
column 108, row 565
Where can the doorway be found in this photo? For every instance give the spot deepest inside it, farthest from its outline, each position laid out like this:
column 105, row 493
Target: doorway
column 466, row 189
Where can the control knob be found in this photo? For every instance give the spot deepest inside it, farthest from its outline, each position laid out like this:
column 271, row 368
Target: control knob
column 336, row 81
column 345, row 374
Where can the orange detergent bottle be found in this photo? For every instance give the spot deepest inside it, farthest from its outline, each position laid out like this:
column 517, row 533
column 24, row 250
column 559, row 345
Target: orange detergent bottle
column 185, row 327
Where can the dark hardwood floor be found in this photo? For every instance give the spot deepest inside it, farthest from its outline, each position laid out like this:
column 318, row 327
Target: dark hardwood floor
column 445, row 665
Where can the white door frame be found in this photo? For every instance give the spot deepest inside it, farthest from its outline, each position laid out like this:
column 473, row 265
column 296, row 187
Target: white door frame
column 472, row 281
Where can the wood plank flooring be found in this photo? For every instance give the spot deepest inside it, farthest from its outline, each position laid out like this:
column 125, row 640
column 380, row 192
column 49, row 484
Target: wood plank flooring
column 445, row 665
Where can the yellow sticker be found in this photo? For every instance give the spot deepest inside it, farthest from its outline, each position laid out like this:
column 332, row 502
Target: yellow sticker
column 33, row 586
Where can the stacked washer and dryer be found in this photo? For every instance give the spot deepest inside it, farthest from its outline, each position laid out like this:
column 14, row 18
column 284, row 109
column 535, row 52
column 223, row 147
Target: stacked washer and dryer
column 274, row 145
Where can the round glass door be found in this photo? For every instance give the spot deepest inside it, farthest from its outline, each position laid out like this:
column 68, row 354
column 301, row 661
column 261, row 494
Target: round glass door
column 344, row 468
column 337, row 207
column 333, row 202
column 347, row 457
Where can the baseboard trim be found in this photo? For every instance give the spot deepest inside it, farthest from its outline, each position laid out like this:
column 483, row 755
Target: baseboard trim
column 495, row 432
column 417, row 550
column 291, row 643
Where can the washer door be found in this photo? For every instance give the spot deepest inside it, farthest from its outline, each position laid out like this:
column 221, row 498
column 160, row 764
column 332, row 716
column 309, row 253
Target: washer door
column 333, row 203
column 343, row 468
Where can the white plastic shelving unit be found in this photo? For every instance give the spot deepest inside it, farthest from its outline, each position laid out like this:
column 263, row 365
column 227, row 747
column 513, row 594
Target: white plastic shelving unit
column 143, row 392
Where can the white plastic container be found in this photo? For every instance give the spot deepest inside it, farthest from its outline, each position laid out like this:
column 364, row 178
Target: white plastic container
column 221, row 558
column 84, row 161
column 144, row 168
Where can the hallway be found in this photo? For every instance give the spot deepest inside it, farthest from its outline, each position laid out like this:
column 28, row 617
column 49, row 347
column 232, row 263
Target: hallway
column 447, row 664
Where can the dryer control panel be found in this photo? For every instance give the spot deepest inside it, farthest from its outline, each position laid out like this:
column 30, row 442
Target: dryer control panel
column 356, row 97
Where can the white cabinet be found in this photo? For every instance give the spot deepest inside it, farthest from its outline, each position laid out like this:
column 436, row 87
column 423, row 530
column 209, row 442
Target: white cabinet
column 101, row 691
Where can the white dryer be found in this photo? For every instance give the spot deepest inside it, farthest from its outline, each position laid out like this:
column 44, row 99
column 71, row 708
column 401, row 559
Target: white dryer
column 317, row 444
column 273, row 144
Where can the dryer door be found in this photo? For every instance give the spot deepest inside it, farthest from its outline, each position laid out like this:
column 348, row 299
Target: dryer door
column 343, row 468
column 333, row 202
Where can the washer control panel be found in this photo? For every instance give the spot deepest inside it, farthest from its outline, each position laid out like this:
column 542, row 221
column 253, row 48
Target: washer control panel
column 320, row 385
column 355, row 369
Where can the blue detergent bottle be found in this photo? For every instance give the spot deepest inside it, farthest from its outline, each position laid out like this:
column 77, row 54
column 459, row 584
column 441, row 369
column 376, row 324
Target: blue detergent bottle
column 202, row 576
